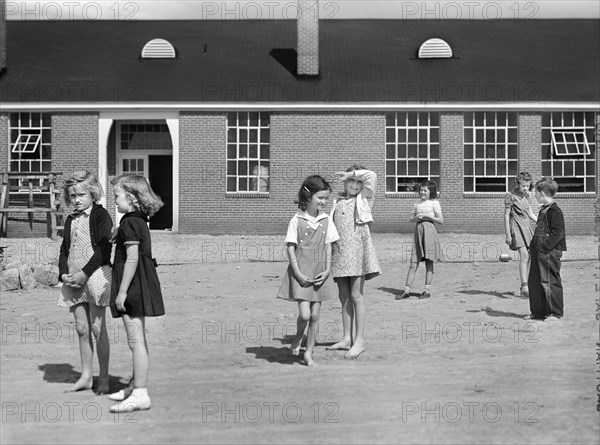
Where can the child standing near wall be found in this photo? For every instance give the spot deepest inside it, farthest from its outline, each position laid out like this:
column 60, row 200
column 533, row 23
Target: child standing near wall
column 84, row 269
column 426, row 246
column 136, row 290
column 547, row 246
column 354, row 257
column 307, row 280
column 518, row 231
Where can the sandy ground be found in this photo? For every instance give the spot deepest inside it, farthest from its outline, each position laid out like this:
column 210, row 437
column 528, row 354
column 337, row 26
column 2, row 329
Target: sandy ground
column 461, row 367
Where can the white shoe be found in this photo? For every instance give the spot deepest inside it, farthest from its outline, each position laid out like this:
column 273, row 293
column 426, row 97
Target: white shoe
column 118, row 396
column 135, row 402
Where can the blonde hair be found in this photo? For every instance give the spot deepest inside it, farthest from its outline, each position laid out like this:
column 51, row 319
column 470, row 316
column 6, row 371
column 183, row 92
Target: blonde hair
column 85, row 180
column 139, row 193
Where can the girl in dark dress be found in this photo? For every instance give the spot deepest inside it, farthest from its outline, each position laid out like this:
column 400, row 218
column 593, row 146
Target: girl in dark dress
column 135, row 290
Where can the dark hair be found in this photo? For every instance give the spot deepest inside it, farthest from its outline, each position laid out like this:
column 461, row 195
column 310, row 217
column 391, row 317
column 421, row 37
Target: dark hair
column 355, row 167
column 431, row 185
column 311, row 185
column 522, row 177
column 547, row 185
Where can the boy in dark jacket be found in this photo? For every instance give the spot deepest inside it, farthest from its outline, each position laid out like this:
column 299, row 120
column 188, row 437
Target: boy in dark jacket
column 547, row 246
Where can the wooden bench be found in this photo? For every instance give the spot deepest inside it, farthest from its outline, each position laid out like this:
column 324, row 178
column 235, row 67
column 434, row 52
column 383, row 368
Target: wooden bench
column 30, row 184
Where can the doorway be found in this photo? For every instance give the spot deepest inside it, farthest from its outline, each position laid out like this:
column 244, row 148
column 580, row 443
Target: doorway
column 160, row 175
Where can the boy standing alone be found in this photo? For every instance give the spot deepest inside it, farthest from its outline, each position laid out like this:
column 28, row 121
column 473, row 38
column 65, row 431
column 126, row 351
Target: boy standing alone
column 547, row 246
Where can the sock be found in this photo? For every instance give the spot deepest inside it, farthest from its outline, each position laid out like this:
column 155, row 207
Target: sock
column 143, row 392
column 428, row 288
column 407, row 289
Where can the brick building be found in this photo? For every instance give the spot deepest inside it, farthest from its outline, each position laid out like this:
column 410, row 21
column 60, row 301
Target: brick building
column 226, row 118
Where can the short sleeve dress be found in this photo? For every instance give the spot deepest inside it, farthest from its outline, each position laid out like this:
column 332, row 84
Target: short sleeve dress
column 521, row 232
column 427, row 244
column 354, row 254
column 311, row 254
column 144, row 297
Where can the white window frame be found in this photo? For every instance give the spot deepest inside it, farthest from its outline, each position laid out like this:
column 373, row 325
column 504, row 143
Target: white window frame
column 483, row 166
column 411, row 138
column 239, row 147
column 574, row 171
column 26, row 129
column 582, row 147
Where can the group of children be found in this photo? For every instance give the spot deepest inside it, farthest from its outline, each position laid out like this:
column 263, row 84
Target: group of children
column 339, row 247
column 130, row 287
column 322, row 249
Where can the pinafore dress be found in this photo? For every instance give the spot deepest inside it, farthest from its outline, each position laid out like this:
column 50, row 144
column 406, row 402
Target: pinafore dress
column 311, row 253
column 144, row 297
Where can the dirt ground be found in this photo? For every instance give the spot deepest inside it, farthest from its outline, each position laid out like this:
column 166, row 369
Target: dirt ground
column 461, row 367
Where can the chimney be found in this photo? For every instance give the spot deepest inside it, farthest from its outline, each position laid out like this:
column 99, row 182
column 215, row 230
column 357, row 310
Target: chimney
column 2, row 36
column 308, row 38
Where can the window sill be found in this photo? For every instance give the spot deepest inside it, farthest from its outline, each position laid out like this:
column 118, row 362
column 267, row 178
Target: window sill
column 247, row 195
column 393, row 195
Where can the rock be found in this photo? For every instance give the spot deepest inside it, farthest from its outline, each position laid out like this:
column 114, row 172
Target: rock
column 46, row 274
column 9, row 279
column 26, row 277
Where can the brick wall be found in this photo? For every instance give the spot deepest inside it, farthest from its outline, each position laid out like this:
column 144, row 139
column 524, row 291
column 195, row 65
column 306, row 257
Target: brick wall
column 303, row 144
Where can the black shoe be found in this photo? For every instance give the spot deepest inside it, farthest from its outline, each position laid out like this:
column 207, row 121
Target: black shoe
column 403, row 296
column 424, row 295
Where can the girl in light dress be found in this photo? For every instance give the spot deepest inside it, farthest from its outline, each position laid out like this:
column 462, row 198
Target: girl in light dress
column 84, row 269
column 354, row 257
column 426, row 244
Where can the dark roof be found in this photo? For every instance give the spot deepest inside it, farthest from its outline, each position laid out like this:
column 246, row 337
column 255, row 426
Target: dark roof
column 249, row 61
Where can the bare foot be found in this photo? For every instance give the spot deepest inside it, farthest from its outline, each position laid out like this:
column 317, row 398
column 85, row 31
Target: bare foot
column 295, row 346
column 340, row 345
column 81, row 385
column 103, row 386
column 355, row 351
column 308, row 359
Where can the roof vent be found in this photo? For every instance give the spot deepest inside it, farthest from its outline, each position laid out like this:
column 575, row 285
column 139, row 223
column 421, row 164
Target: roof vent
column 435, row 49
column 158, row 49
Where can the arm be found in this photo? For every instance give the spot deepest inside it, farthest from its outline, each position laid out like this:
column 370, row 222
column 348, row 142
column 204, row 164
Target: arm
column 413, row 218
column 532, row 215
column 438, row 218
column 63, row 266
column 302, row 279
column 507, row 226
column 128, row 273
column 556, row 227
column 369, row 180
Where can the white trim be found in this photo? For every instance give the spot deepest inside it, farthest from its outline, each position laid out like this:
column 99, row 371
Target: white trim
column 104, row 126
column 140, row 109
column 173, row 125
column 435, row 49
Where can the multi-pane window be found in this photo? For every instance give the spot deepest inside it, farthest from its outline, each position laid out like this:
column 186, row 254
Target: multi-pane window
column 412, row 150
column 569, row 150
column 145, row 137
column 30, row 142
column 248, row 152
column 490, row 151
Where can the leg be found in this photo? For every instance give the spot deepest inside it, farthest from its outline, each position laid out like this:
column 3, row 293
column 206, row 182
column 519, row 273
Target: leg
column 428, row 279
column 136, row 338
column 360, row 316
column 301, row 322
column 347, row 314
column 97, row 317
column 524, row 270
column 410, row 277
column 313, row 330
column 555, row 289
column 535, row 287
column 86, row 347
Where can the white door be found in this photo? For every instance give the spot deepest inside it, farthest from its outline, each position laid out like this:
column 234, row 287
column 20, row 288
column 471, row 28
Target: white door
column 131, row 163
